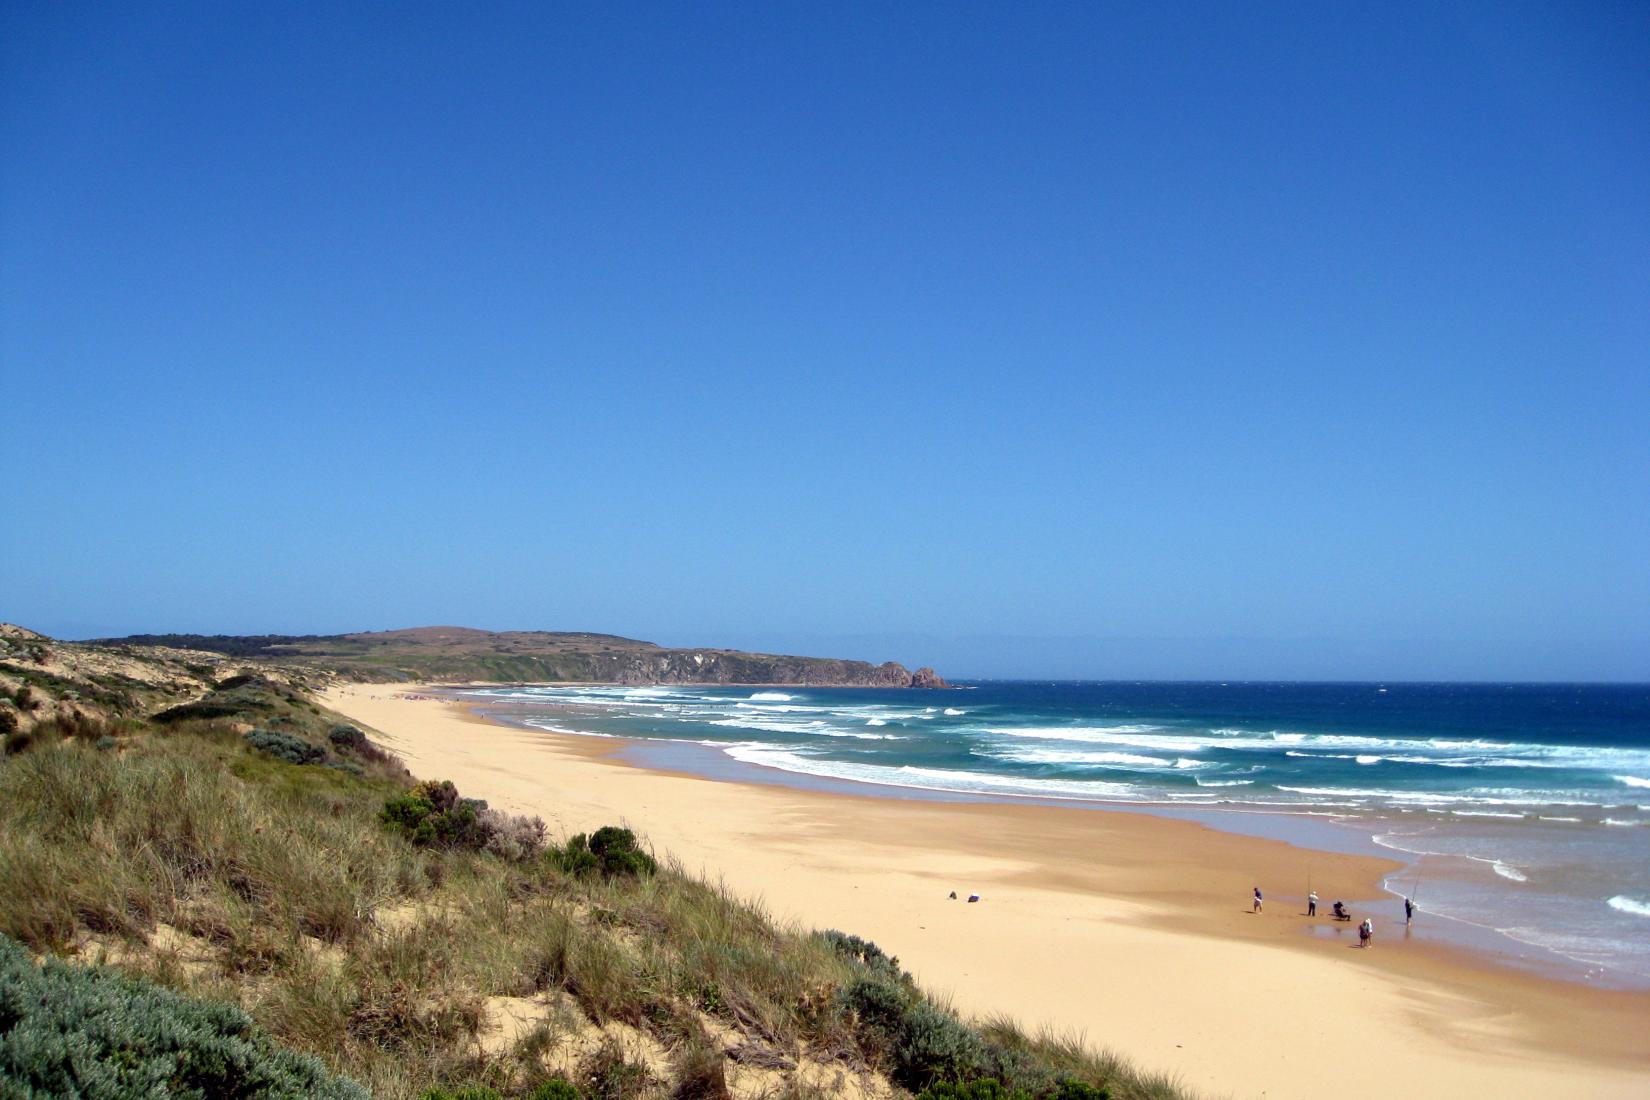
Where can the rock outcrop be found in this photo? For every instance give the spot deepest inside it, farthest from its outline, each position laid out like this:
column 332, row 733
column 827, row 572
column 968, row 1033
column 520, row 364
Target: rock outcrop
column 454, row 654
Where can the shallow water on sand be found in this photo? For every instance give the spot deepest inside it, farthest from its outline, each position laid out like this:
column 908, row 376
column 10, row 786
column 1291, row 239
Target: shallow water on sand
column 1522, row 811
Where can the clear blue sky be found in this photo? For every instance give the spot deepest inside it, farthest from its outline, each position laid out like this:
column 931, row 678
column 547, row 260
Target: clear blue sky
column 1072, row 340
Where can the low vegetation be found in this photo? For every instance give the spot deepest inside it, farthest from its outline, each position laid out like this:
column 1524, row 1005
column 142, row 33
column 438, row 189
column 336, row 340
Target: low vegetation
column 92, row 1032
column 282, row 900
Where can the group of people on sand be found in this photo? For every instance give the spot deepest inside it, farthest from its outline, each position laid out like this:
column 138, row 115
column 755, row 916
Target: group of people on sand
column 1366, row 930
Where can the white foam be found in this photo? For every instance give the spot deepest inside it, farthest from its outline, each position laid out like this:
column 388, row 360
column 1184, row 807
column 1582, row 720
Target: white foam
column 1626, row 904
column 1072, row 733
column 1509, row 872
column 875, row 722
column 547, row 728
column 1369, row 759
column 1222, row 782
column 931, row 779
column 953, row 711
column 815, row 728
column 1632, row 781
column 1481, row 796
column 1135, row 736
column 771, row 725
column 1034, row 755
column 771, row 697
column 1618, row 821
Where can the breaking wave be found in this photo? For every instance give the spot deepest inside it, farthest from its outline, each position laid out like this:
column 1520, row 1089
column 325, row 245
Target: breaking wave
column 1625, row 904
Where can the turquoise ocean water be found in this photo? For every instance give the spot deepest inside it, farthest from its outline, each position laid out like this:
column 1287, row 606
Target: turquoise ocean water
column 1522, row 812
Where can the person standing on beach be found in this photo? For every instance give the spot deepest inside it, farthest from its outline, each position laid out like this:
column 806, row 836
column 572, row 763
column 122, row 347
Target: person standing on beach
column 1409, row 909
column 1312, row 904
column 1256, row 909
column 1365, row 931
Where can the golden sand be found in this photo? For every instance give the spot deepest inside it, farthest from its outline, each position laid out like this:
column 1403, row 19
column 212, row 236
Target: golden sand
column 1130, row 929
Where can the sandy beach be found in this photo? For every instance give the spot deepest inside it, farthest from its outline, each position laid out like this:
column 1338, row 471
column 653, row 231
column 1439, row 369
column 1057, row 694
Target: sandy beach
column 1132, row 930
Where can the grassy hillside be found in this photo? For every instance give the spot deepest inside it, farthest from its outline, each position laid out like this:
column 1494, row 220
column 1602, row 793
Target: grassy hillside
column 421, row 944
column 460, row 653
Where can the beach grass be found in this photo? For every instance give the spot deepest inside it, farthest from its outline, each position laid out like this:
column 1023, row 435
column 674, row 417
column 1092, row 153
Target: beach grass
column 197, row 856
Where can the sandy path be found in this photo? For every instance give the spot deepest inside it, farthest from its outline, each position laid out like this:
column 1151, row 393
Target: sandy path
column 1130, row 929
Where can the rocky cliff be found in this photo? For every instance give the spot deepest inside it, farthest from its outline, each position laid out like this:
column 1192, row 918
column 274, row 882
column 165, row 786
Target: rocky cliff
column 462, row 654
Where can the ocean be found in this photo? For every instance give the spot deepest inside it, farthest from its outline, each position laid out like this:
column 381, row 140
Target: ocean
column 1521, row 811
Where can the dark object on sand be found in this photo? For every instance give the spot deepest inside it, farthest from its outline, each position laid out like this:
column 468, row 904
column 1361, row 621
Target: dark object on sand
column 953, row 895
column 973, row 898
column 1341, row 911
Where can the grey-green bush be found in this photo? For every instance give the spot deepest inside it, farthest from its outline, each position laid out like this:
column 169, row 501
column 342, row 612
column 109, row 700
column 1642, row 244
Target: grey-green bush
column 934, row 1046
column 91, row 1032
column 284, row 746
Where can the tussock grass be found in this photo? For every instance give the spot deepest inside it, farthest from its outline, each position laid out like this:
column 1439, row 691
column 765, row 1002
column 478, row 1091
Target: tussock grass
column 114, row 843
column 1068, row 1055
column 280, row 887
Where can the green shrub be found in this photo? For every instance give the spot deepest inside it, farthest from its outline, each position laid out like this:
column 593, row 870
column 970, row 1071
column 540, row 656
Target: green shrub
column 575, row 857
column 434, row 816
column 865, row 953
column 284, row 746
column 1071, row 1089
column 555, row 1089
column 346, row 737
column 878, row 1004
column 91, row 1032
column 351, row 740
column 987, row 1089
column 611, row 850
column 105, row 743
column 935, row 1046
column 463, row 1092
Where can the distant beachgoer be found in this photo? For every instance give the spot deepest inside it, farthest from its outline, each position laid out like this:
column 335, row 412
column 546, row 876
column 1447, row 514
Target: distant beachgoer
column 1340, row 911
column 1409, row 910
column 1312, row 904
column 1256, row 908
column 1365, row 931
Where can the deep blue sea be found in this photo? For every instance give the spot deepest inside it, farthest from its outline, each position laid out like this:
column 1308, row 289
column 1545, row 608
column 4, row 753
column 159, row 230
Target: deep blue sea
column 1521, row 810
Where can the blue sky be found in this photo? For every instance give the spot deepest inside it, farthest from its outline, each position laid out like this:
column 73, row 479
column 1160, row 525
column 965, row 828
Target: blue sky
column 1067, row 340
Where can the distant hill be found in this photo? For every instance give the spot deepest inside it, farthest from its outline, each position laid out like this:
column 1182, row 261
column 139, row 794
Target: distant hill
column 456, row 653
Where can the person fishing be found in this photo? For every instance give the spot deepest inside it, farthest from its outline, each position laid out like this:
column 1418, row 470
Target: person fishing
column 1312, row 904
column 1409, row 909
column 1365, row 931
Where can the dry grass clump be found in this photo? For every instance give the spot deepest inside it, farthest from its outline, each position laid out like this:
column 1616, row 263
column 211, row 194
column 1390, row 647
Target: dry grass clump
column 380, row 926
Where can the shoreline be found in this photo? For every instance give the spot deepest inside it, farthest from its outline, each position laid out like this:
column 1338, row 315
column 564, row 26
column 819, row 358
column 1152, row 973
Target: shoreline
column 1150, row 911
column 1308, row 831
